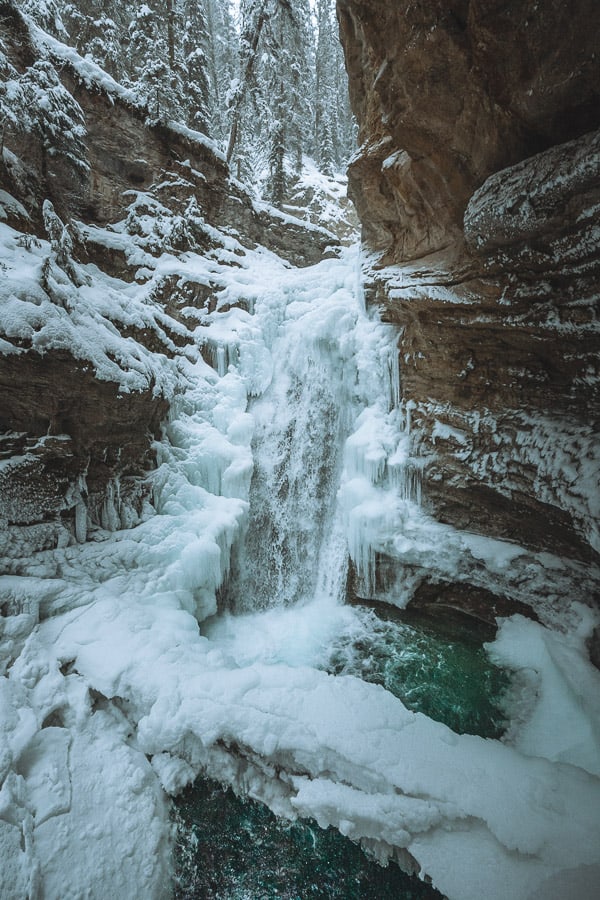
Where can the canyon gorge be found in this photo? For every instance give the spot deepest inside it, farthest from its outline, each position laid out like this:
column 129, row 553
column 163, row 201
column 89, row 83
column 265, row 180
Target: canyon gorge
column 244, row 456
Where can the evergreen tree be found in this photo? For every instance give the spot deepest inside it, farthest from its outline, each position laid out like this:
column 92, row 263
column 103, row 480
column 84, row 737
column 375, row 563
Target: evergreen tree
column 334, row 128
column 271, row 85
column 253, row 16
column 327, row 156
column 221, row 61
column 48, row 15
column 195, row 41
column 324, row 88
column 272, row 100
column 154, row 77
column 277, row 175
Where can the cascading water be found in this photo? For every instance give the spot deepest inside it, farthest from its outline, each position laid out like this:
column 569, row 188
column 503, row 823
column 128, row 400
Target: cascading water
column 332, row 472
column 297, row 452
column 294, row 546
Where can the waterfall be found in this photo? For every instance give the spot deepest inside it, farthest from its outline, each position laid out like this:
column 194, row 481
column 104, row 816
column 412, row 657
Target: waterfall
column 330, row 450
column 293, row 544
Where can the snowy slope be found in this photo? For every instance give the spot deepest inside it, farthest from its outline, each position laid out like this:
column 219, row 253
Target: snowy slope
column 118, row 690
column 119, row 680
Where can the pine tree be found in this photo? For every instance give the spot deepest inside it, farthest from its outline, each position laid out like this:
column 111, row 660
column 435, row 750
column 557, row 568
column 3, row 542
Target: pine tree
column 48, row 14
column 221, row 62
column 272, row 102
column 298, row 77
column 153, row 77
column 195, row 43
column 273, row 88
column 334, row 129
column 277, row 176
column 253, row 16
column 324, row 87
column 327, row 156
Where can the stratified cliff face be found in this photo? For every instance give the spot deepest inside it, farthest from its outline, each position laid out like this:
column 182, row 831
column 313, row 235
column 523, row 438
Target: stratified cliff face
column 479, row 172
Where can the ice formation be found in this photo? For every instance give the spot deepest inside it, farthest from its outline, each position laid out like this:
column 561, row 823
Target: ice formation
column 130, row 681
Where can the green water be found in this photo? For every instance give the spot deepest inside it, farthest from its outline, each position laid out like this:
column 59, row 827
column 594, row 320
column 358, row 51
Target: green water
column 230, row 849
column 233, row 849
column 434, row 666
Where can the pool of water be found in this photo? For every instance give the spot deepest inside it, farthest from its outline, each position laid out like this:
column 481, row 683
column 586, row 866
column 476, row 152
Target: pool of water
column 435, row 666
column 233, row 849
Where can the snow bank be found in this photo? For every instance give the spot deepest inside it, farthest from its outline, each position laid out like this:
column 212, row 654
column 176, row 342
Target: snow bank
column 482, row 819
column 127, row 664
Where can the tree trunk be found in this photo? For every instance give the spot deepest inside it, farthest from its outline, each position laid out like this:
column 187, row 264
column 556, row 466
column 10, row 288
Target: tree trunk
column 243, row 86
column 171, row 34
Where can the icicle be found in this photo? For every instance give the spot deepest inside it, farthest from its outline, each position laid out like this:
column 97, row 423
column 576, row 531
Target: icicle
column 220, row 355
column 109, row 514
column 395, row 376
column 222, row 364
column 408, row 407
column 81, row 510
column 359, row 289
column 362, row 551
column 80, row 522
column 405, row 473
column 237, row 477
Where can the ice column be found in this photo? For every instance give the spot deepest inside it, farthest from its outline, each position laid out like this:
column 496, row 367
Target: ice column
column 380, row 478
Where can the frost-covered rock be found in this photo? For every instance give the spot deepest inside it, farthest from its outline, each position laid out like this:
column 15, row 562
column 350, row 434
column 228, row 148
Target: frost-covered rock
column 547, row 195
column 478, row 197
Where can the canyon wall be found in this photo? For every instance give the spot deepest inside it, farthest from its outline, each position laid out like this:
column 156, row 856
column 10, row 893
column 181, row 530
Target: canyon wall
column 86, row 177
column 477, row 183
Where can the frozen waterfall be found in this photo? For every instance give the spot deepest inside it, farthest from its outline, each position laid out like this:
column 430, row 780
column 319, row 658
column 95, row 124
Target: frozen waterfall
column 287, row 455
column 299, row 432
column 328, row 362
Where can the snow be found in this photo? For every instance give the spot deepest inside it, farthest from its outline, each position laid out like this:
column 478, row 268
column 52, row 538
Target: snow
column 9, row 204
column 197, row 137
column 123, row 682
column 261, row 206
column 94, row 77
column 323, row 199
column 565, row 724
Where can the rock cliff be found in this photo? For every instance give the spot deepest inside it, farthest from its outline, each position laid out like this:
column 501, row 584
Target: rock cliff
column 87, row 180
column 479, row 172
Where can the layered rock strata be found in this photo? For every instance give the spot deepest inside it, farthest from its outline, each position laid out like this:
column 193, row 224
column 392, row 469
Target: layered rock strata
column 478, row 186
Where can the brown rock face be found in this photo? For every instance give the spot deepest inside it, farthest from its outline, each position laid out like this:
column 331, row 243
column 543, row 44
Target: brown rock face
column 75, row 425
column 479, row 173
column 446, row 93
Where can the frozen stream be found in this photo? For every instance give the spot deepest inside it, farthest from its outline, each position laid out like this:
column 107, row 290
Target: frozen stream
column 285, row 454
